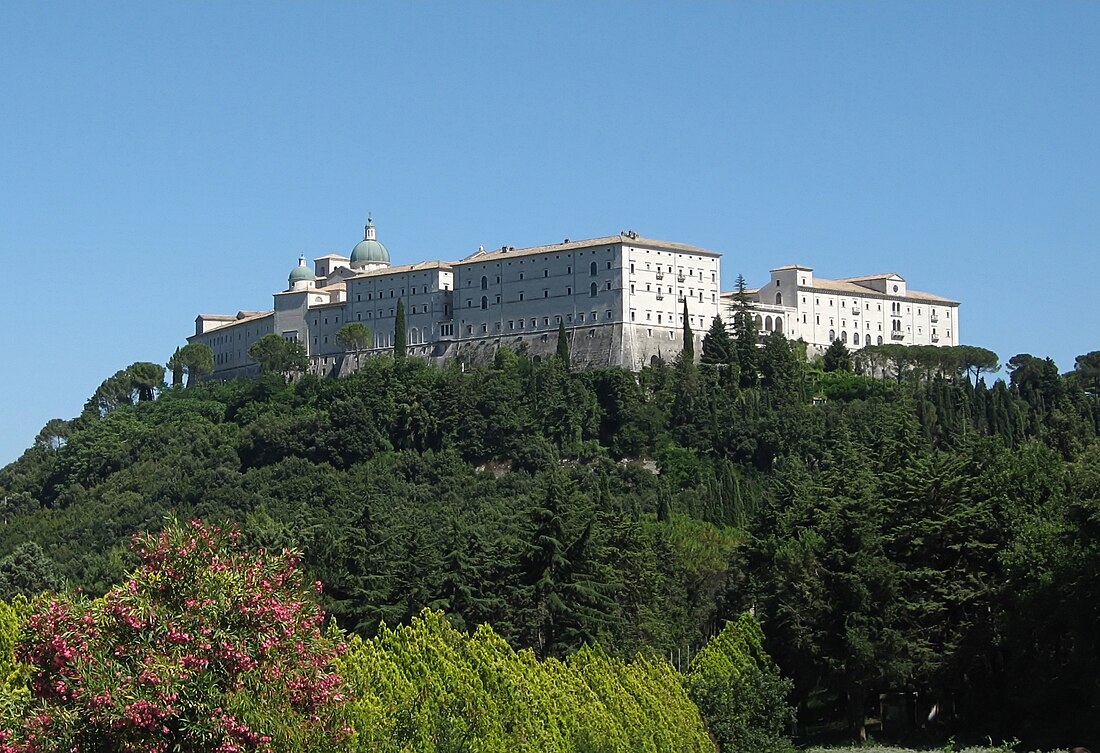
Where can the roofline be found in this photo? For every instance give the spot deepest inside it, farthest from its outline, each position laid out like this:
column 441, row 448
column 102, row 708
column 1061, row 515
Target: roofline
column 871, row 292
column 635, row 240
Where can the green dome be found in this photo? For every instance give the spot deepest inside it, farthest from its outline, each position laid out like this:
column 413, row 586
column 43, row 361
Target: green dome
column 301, row 272
column 369, row 250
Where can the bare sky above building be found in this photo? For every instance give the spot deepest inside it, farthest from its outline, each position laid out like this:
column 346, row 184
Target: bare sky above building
column 161, row 160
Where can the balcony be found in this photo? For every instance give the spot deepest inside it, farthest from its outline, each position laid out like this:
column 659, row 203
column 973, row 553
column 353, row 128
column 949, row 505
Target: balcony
column 855, row 311
column 680, row 278
column 660, row 275
column 934, row 319
column 897, row 335
column 935, row 338
column 660, row 297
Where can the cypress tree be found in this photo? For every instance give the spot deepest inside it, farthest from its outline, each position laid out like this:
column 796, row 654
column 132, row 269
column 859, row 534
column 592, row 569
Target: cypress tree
column 175, row 363
column 689, row 339
column 563, row 344
column 399, row 349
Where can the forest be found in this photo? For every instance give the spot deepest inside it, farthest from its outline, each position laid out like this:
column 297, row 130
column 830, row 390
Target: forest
column 895, row 524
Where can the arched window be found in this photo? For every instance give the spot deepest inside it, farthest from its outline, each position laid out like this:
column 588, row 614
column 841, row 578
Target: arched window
column 844, row 337
column 778, row 298
column 758, row 321
column 832, row 335
column 414, row 333
column 767, row 324
column 592, row 290
column 855, row 338
column 484, row 302
column 778, row 324
column 484, row 282
column 592, row 269
column 880, row 339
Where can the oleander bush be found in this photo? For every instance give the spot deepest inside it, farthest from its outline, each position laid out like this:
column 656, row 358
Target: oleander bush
column 206, row 647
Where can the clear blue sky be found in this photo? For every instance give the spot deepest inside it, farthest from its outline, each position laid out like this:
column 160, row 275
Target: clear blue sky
column 158, row 160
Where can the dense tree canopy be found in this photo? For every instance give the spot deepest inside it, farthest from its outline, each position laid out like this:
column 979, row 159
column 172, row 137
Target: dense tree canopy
column 902, row 526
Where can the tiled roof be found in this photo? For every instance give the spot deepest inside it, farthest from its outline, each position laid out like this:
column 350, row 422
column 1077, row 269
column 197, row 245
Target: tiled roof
column 867, row 278
column 418, row 267
column 637, row 240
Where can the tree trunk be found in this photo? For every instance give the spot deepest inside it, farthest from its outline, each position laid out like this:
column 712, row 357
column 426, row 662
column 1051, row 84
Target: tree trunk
column 857, row 721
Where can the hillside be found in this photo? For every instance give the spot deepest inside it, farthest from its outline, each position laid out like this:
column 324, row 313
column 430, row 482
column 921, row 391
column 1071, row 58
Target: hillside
column 902, row 532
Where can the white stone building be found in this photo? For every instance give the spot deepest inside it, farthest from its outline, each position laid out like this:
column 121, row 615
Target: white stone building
column 620, row 297
column 858, row 311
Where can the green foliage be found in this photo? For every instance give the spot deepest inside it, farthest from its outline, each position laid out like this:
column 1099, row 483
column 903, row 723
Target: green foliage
column 563, row 344
column 354, row 336
column 687, row 352
column 277, row 355
column 837, row 357
column 194, row 359
column 14, row 675
column 740, row 692
column 717, row 345
column 745, row 337
column 139, row 381
column 427, row 686
column 205, row 647
column 27, row 572
column 399, row 348
column 919, row 529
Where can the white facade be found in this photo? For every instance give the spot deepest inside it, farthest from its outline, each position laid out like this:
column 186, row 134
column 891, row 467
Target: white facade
column 858, row 311
column 620, row 297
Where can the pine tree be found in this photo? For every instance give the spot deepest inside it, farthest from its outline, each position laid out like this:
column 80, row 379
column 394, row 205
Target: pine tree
column 399, row 349
column 838, row 357
column 744, row 335
column 717, row 345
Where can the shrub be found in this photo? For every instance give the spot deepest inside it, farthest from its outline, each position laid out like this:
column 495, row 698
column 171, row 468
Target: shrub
column 740, row 692
column 205, row 647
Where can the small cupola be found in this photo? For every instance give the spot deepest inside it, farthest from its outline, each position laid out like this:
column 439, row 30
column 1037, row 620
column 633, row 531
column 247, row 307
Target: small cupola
column 301, row 277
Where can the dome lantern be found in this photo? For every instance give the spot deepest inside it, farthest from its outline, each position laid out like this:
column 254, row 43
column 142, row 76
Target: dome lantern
column 369, row 253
